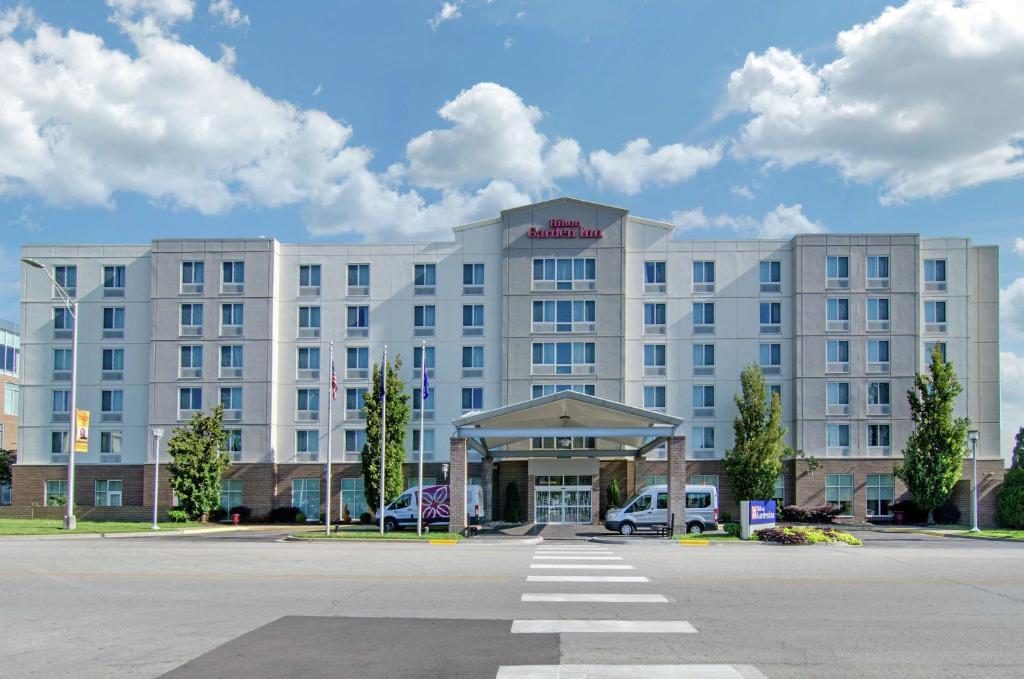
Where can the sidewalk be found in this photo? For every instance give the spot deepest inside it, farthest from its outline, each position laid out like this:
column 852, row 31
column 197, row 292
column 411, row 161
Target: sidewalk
column 157, row 533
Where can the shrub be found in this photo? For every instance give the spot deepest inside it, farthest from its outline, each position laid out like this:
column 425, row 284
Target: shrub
column 839, row 536
column 781, row 535
column 947, row 513
column 726, row 517
column 911, row 512
column 614, row 493
column 57, row 501
column 803, row 535
column 1010, row 501
column 300, row 518
column 283, row 514
column 218, row 514
column 820, row 514
column 177, row 514
column 365, row 517
column 244, row 513
column 732, row 528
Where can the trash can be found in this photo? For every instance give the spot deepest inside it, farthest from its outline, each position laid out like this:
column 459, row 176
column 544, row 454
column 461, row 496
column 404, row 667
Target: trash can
column 236, row 519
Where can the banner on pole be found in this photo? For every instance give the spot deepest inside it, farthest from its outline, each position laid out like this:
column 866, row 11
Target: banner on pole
column 81, row 431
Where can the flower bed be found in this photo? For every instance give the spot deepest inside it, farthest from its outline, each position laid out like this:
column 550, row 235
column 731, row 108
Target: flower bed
column 804, row 535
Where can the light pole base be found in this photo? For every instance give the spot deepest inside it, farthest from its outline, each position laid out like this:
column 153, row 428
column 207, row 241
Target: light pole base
column 70, row 523
column 975, row 529
column 154, row 527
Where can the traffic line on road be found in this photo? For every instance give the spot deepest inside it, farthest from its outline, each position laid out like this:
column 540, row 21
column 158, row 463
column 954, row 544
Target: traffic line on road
column 629, row 672
column 585, row 566
column 587, row 578
column 587, row 557
column 597, row 598
column 602, row 627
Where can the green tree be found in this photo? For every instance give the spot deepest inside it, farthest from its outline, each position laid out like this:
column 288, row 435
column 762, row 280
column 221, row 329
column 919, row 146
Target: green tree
column 7, row 458
column 1017, row 459
column 1010, row 501
column 397, row 419
column 755, row 460
column 933, row 458
column 197, row 462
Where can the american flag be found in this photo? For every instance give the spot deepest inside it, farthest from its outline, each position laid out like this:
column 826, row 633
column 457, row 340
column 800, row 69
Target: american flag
column 334, row 383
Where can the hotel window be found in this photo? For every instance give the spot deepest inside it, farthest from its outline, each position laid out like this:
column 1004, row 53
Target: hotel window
column 837, row 272
column 472, row 399
column 306, row 497
column 878, row 271
column 307, row 405
column 231, row 361
column 108, row 493
column 112, row 364
column 358, row 279
column 355, row 408
column 703, row 359
column 878, row 440
column 230, row 493
column 231, row 319
column 472, row 319
column 190, row 400
column 779, row 492
column 424, row 318
column 191, row 277
column 699, row 480
column 472, row 361
column 232, row 277
column 771, row 318
column 771, row 358
column 654, row 277
column 703, row 400
column 703, row 318
column 428, row 444
column 703, row 276
column 67, row 278
column 113, row 281
column 58, row 445
column 564, row 274
column 110, row 446
column 770, row 276
column 309, row 363
column 654, row 318
column 63, row 323
column 309, row 321
column 837, row 356
column 231, row 401
column 10, row 352
column 772, row 390
column 935, row 316
column 357, row 321
column 837, row 440
column 191, row 362
column 562, row 443
column 5, row 488
column 703, row 442
column 428, row 411
column 111, row 405
column 929, row 347
column 837, row 314
column 61, row 400
column 654, row 397
column 357, row 363
column 61, row 365
column 878, row 356
column 563, row 358
column 837, row 398
column 233, row 444
column 424, row 279
column 935, row 275
column 417, row 360
column 113, row 320
column 353, row 498
column 355, row 439
column 654, row 360
column 309, row 279
column 564, row 316
column 54, row 491
column 877, row 313
column 878, row 398
column 880, row 494
column 548, row 389
column 307, row 445
column 839, row 492
column 191, row 320
column 472, row 279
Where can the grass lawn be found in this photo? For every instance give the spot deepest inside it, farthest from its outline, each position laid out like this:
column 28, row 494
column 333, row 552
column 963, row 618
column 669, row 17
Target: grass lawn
column 371, row 533
column 998, row 533
column 55, row 527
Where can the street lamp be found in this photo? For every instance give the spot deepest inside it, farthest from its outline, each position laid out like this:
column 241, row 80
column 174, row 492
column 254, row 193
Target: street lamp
column 157, row 433
column 973, row 437
column 72, row 306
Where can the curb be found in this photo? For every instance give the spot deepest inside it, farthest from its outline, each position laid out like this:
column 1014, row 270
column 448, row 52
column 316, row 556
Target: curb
column 131, row 534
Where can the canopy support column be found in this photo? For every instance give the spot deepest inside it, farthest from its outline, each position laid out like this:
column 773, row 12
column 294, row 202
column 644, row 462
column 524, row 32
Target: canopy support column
column 457, row 485
column 677, row 482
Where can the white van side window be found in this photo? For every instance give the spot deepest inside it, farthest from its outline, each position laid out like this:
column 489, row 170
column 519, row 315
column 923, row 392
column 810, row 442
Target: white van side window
column 662, row 500
column 642, row 504
column 698, row 500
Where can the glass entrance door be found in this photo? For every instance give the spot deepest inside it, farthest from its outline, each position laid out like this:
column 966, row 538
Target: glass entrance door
column 562, row 499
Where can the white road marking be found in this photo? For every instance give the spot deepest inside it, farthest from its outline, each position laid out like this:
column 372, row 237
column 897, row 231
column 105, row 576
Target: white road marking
column 586, row 557
column 598, row 598
column 587, row 578
column 629, row 672
column 587, row 566
column 602, row 627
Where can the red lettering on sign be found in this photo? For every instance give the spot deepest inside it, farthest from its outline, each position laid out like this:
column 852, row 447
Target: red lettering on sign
column 564, row 228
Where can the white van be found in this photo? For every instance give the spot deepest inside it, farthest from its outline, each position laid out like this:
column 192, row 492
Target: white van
column 649, row 507
column 402, row 511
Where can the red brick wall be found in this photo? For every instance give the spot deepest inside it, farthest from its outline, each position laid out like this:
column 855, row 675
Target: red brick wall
column 613, row 469
column 506, row 471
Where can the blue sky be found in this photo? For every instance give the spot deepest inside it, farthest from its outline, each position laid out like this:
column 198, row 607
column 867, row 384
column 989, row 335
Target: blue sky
column 136, row 119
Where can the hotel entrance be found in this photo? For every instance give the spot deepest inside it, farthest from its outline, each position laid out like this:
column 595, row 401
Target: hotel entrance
column 563, row 499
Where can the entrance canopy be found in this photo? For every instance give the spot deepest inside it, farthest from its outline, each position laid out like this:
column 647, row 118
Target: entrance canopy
column 617, row 429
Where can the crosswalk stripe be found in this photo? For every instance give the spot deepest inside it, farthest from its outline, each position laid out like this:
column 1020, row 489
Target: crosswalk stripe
column 597, row 598
column 587, row 557
column 602, row 627
column 629, row 672
column 587, row 578
column 587, row 566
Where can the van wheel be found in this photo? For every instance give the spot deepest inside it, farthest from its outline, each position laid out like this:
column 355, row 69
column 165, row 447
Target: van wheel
column 626, row 529
column 695, row 528
column 390, row 525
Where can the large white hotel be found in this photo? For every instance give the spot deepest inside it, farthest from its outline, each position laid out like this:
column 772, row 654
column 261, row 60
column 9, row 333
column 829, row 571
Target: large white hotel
column 560, row 295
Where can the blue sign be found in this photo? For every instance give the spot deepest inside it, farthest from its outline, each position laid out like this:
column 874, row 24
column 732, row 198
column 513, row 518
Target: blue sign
column 762, row 512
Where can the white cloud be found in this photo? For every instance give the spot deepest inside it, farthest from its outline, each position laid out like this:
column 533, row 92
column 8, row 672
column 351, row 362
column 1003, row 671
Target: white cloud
column 1011, row 378
column 449, row 12
column 1011, row 308
column 635, row 166
column 781, row 223
column 742, row 191
column 494, row 135
column 925, row 99
column 318, row 90
column 228, row 57
column 786, row 222
column 508, row 43
column 1018, row 246
column 227, row 13
column 149, row 17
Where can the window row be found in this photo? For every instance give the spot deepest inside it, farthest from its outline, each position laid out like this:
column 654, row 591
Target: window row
column 877, row 398
column 837, row 440
column 703, row 276
column 879, row 494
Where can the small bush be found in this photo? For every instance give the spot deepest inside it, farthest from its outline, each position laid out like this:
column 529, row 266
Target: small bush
column 911, row 512
column 947, row 513
column 726, row 517
column 804, row 535
column 283, row 514
column 820, row 514
column 365, row 518
column 57, row 501
column 300, row 518
column 781, row 536
column 244, row 513
column 732, row 528
column 177, row 515
column 218, row 514
column 1010, row 501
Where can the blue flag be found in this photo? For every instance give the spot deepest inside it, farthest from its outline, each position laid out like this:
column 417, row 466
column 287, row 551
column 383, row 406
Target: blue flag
column 426, row 385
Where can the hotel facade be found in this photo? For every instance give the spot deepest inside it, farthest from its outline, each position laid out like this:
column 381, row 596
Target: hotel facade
column 563, row 295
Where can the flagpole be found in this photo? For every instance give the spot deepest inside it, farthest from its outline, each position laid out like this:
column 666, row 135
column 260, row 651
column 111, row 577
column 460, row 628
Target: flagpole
column 330, row 432
column 423, row 408
column 383, row 429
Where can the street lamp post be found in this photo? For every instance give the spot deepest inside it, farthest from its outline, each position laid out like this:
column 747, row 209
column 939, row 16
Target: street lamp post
column 70, row 523
column 157, row 433
column 973, row 436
